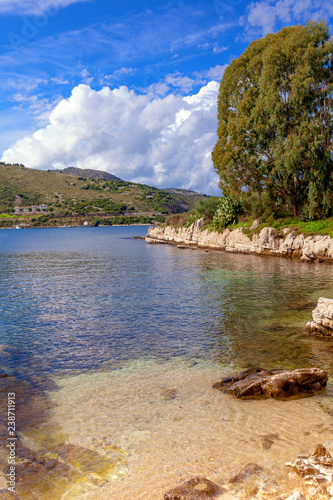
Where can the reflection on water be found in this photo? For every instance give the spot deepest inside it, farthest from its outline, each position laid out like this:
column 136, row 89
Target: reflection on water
column 115, row 322
column 92, row 299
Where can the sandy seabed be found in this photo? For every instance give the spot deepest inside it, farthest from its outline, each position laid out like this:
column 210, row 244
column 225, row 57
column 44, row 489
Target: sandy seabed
column 171, row 425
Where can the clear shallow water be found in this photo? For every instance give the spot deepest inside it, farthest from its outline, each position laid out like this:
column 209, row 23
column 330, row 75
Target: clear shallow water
column 85, row 306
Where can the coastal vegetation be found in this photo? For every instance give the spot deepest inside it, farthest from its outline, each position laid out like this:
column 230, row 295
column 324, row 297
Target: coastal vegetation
column 275, row 130
column 72, row 196
column 218, row 220
column 275, row 125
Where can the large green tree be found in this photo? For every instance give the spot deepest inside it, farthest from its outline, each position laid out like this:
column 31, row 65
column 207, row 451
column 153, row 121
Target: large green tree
column 275, row 121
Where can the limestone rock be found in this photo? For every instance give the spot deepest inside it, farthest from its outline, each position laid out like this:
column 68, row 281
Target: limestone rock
column 322, row 315
column 257, row 383
column 317, row 467
column 267, row 237
column 287, row 245
column 197, row 488
column 199, row 224
column 255, row 224
column 304, row 258
column 267, row 241
column 309, row 253
column 296, row 496
column 330, row 490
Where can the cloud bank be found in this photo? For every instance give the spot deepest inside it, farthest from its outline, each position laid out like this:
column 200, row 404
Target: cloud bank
column 161, row 141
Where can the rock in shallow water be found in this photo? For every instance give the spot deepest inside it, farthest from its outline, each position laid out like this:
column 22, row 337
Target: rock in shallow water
column 257, row 383
column 198, row 488
column 322, row 324
column 317, row 467
column 296, row 496
column 299, row 305
column 248, row 470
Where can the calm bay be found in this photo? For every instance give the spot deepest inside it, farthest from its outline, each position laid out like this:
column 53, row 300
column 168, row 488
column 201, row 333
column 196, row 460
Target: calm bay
column 117, row 343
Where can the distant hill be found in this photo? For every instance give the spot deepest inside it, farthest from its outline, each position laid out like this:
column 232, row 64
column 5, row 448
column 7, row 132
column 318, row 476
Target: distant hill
column 86, row 172
column 183, row 192
column 74, row 192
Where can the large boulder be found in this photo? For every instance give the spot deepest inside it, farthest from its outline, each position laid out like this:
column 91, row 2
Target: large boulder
column 322, row 315
column 257, row 383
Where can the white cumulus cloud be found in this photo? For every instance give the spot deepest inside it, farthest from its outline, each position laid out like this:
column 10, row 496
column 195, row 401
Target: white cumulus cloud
column 161, row 141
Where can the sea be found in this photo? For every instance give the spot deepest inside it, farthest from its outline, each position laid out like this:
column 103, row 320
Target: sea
column 112, row 345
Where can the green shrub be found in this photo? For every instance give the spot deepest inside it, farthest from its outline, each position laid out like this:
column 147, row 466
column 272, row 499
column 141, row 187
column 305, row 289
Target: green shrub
column 177, row 220
column 227, row 213
column 192, row 218
column 208, row 206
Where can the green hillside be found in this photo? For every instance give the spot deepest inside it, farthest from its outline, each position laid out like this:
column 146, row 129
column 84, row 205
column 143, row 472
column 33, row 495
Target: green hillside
column 79, row 195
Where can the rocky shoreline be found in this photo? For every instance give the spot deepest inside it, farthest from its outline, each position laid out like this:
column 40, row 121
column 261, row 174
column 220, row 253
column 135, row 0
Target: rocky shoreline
column 268, row 241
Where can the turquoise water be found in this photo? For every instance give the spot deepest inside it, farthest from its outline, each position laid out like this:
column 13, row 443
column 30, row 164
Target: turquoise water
column 91, row 298
column 113, row 346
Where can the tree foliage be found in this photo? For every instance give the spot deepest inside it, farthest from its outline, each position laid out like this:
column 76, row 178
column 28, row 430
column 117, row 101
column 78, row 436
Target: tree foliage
column 275, row 122
column 207, row 207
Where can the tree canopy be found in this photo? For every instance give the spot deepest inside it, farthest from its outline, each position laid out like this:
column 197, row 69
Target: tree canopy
column 275, row 122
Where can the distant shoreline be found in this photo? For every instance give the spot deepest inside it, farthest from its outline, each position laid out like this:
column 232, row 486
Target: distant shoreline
column 71, row 227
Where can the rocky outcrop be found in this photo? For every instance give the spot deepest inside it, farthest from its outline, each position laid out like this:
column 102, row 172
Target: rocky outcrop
column 322, row 324
column 317, row 467
column 257, row 383
column 266, row 242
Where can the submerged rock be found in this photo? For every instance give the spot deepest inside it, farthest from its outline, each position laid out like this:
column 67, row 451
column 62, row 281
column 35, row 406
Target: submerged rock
column 276, row 328
column 86, row 461
column 317, row 467
column 254, row 480
column 197, row 488
column 296, row 496
column 169, row 394
column 322, row 315
column 248, row 470
column 299, row 305
column 257, row 383
column 8, row 495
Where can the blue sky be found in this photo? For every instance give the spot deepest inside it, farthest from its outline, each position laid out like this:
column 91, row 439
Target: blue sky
column 126, row 87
